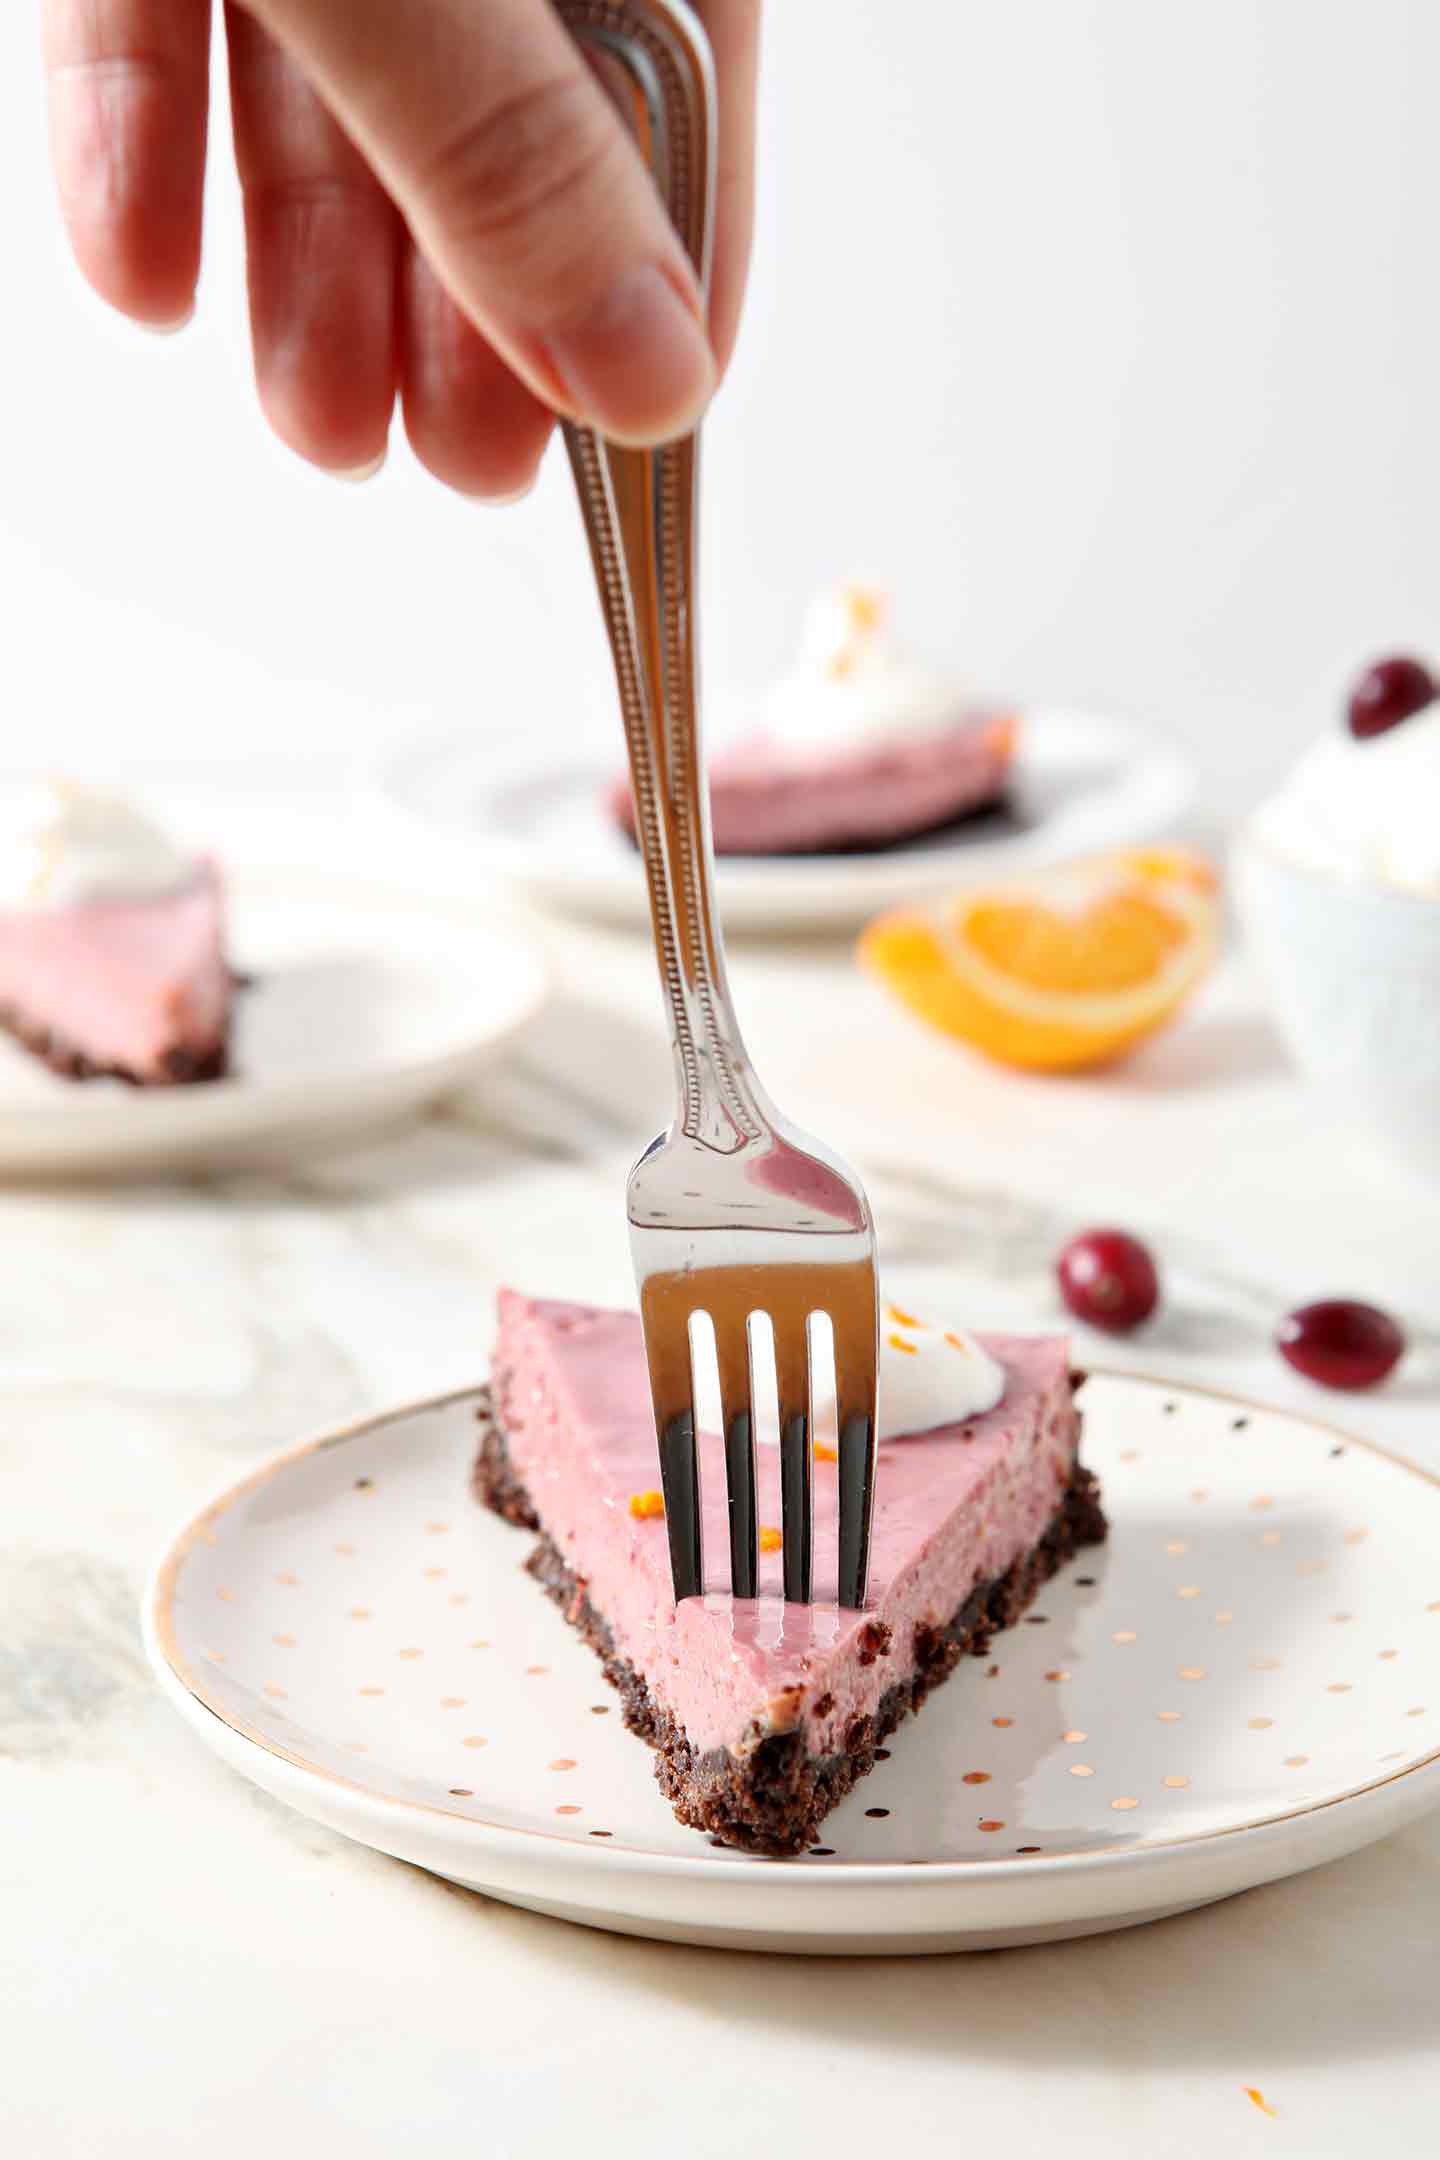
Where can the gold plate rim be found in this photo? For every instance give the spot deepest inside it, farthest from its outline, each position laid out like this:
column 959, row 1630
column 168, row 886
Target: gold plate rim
column 159, row 1617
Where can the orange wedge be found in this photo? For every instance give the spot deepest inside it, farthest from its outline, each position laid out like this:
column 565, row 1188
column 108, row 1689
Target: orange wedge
column 1062, row 970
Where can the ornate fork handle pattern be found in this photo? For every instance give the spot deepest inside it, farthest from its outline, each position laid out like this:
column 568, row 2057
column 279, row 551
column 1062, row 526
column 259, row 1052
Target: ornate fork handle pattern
column 639, row 508
column 733, row 1213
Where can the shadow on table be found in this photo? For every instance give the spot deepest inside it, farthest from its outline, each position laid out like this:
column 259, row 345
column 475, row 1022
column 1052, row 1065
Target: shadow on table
column 598, row 1077
column 1343, row 1962
column 582, row 1084
column 1204, row 1053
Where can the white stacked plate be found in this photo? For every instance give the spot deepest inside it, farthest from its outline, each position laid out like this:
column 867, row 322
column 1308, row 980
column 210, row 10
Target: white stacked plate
column 1081, row 785
column 361, row 1003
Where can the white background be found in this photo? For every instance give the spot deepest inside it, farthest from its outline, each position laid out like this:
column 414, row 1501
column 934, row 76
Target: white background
column 1105, row 332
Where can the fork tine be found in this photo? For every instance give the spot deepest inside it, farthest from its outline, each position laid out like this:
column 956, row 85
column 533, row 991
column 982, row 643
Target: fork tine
column 667, row 1352
column 792, row 1373
column 681, row 1487
column 737, row 1422
column 856, row 1352
column 680, row 1481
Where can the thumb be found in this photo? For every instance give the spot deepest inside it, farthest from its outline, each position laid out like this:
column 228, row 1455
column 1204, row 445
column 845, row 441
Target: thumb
column 520, row 184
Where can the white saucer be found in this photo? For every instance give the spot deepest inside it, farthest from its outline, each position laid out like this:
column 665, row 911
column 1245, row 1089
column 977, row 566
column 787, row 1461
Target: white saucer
column 363, row 1003
column 1245, row 1682
column 1081, row 785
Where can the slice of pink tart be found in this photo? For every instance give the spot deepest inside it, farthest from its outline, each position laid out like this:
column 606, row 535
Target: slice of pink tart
column 769, row 798
column 763, row 1714
column 855, row 748
column 112, row 946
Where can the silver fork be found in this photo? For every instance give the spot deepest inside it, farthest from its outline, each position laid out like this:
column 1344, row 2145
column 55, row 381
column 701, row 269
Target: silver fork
column 733, row 1211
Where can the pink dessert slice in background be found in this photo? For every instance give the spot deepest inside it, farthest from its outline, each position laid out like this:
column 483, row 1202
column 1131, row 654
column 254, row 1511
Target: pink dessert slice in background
column 763, row 1713
column 138, row 988
column 855, row 747
column 767, row 798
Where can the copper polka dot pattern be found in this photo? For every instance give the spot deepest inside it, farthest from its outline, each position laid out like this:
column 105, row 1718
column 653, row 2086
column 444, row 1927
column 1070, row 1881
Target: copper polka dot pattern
column 1197, row 1681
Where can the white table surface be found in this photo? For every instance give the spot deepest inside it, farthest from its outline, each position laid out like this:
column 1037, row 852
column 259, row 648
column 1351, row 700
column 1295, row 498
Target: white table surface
column 186, row 1967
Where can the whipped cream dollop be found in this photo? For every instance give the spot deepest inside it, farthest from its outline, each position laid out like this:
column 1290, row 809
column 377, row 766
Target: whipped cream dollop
column 848, row 684
column 1367, row 809
column 928, row 1376
column 931, row 1376
column 62, row 844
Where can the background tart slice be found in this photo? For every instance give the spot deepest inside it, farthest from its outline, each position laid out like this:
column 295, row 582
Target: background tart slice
column 769, row 799
column 855, row 747
column 763, row 1714
column 139, row 989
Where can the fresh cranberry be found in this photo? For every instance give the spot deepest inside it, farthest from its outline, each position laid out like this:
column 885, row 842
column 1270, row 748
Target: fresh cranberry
column 1341, row 1343
column 1109, row 1279
column 1389, row 692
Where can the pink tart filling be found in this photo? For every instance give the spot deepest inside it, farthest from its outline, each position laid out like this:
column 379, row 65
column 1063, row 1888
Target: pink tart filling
column 771, row 798
column 134, row 985
column 954, row 1508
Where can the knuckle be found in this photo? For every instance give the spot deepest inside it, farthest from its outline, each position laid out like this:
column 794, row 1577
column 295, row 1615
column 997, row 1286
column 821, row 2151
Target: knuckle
column 130, row 72
column 307, row 198
column 510, row 171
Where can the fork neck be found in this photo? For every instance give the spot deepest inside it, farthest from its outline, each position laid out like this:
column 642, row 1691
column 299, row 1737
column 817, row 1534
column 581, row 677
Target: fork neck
column 640, row 513
column 640, row 510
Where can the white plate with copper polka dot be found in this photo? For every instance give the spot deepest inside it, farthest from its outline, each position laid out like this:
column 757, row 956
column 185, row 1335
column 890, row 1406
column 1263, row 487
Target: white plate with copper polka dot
column 1243, row 1683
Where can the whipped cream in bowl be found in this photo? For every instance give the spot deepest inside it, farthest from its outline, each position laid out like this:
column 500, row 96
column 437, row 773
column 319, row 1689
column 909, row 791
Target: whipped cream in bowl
column 1364, row 809
column 1337, row 877
column 66, row 845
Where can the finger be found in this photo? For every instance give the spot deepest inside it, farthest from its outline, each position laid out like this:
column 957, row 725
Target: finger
column 128, row 94
column 469, row 418
column 521, row 186
column 733, row 27
column 322, row 246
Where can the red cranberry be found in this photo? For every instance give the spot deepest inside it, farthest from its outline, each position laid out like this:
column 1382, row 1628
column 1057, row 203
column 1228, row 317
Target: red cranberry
column 1109, row 1279
column 1341, row 1343
column 1389, row 692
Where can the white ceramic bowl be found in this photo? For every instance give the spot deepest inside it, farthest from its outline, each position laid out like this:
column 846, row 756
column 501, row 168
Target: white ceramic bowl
column 1353, row 970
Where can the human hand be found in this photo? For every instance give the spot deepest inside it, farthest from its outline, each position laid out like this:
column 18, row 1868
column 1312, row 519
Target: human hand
column 440, row 205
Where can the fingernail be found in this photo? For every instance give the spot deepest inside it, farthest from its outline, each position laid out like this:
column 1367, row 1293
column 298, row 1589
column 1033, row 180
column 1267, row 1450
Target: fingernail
column 172, row 328
column 638, row 366
column 355, row 474
column 503, row 502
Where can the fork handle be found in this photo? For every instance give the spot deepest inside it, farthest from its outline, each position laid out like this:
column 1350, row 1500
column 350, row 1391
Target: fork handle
column 639, row 508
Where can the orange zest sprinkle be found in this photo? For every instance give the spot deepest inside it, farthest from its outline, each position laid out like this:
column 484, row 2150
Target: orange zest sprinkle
column 825, row 1454
column 769, row 1538
column 898, row 1342
column 1179, row 865
column 1253, row 2092
column 903, row 1319
column 1000, row 735
column 645, row 1504
column 865, row 605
